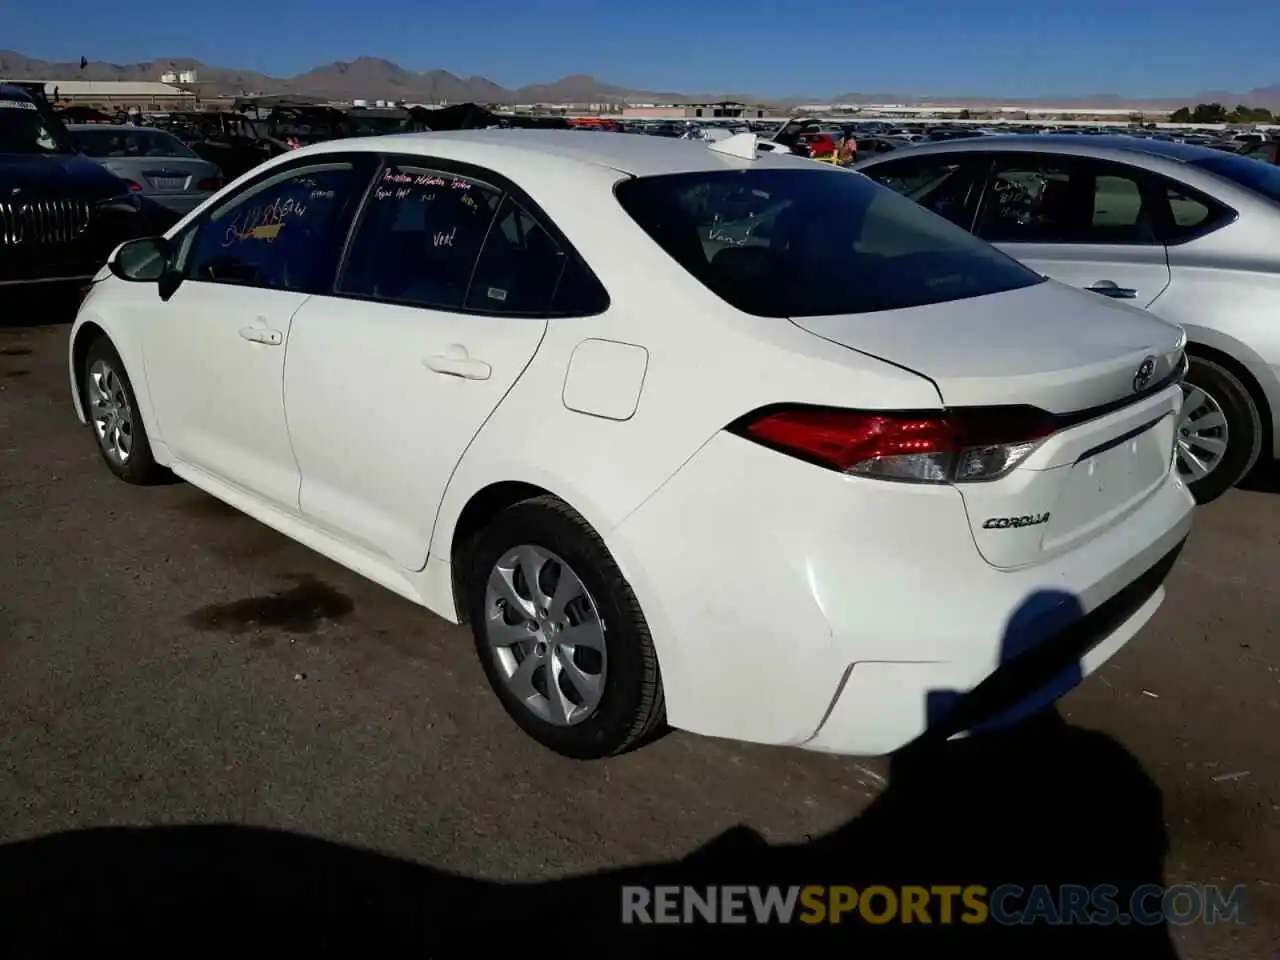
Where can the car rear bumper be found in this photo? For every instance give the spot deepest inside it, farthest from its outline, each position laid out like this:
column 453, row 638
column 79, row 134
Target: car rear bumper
column 180, row 203
column 792, row 605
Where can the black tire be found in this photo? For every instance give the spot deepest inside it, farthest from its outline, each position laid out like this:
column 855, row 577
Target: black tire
column 631, row 708
column 1244, row 427
column 140, row 468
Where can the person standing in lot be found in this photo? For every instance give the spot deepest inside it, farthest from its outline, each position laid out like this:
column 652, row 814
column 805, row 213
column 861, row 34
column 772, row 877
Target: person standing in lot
column 848, row 149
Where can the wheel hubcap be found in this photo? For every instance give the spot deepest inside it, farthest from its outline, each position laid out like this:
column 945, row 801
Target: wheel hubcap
column 110, row 413
column 1202, row 434
column 545, row 635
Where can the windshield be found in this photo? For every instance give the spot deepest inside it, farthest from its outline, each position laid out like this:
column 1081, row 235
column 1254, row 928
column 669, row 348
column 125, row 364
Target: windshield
column 24, row 130
column 1263, row 178
column 806, row 243
column 108, row 142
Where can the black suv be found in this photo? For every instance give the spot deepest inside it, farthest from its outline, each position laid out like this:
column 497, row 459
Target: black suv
column 61, row 214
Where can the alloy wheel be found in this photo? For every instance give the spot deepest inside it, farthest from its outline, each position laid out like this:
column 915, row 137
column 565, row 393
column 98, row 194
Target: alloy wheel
column 545, row 635
column 1202, row 434
column 110, row 412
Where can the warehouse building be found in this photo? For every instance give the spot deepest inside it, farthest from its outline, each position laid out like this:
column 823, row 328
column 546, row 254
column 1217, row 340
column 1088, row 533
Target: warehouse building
column 111, row 96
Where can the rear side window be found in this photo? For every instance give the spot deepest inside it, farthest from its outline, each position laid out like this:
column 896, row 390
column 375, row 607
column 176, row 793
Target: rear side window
column 805, row 243
column 519, row 266
column 419, row 237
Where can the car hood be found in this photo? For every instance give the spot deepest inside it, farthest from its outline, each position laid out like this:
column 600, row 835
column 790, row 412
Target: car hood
column 60, row 175
column 1049, row 345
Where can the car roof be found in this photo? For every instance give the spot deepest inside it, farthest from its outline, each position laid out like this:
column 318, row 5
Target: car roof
column 622, row 152
column 1098, row 145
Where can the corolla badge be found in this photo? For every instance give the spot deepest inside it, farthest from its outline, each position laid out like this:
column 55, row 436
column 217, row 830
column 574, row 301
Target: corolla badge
column 1143, row 375
column 1015, row 523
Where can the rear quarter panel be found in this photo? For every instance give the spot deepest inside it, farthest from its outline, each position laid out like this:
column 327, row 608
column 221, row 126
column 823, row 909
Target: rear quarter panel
column 708, row 365
column 1227, row 297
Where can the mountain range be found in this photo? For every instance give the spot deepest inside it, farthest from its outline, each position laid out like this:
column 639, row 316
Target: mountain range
column 374, row 78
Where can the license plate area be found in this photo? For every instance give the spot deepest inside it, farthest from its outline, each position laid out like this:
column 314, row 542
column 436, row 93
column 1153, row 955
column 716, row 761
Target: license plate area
column 1107, row 481
column 169, row 183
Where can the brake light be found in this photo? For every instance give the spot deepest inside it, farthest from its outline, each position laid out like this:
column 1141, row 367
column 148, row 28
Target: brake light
column 956, row 446
column 210, row 184
column 134, row 187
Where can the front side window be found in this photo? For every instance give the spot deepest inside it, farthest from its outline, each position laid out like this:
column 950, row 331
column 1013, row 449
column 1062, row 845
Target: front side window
column 804, row 243
column 419, row 237
column 272, row 233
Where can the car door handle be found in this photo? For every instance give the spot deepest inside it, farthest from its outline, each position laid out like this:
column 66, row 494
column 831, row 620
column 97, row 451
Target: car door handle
column 1108, row 288
column 458, row 364
column 262, row 335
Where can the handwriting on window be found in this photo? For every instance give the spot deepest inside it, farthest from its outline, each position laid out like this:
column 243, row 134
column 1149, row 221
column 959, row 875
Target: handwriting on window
column 263, row 222
column 419, row 187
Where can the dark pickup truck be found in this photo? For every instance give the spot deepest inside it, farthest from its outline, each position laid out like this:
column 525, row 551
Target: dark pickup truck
column 61, row 214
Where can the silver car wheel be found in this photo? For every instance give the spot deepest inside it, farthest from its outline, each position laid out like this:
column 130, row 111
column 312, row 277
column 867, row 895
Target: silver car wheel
column 110, row 413
column 1202, row 434
column 545, row 635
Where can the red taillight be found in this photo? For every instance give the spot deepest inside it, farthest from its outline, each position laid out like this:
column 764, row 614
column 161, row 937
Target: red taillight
column 955, row 446
column 134, row 187
column 209, row 184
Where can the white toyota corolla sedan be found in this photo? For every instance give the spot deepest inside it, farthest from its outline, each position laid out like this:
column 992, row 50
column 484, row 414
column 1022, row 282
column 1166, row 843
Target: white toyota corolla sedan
column 690, row 434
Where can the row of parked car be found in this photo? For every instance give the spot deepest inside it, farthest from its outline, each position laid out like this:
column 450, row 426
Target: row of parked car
column 1178, row 228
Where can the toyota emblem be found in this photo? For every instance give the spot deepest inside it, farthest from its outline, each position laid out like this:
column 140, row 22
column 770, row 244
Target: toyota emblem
column 1143, row 376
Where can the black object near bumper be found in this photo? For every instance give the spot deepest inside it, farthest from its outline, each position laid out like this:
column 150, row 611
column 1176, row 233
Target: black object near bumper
column 1029, row 681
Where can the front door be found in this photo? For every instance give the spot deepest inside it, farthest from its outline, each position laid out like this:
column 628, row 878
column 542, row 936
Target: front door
column 215, row 351
column 1091, row 224
column 440, row 305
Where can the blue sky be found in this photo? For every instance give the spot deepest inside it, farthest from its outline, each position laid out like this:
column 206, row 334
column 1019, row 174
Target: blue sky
column 765, row 47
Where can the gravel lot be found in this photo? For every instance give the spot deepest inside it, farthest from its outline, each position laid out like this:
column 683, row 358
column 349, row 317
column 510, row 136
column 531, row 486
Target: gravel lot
column 204, row 724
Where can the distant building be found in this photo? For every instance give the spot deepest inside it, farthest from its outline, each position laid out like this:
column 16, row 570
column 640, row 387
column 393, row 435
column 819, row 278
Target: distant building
column 695, row 111
column 112, row 95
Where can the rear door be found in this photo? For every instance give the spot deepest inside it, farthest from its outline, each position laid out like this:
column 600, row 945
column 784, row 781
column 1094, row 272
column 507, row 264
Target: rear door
column 1089, row 223
column 439, row 305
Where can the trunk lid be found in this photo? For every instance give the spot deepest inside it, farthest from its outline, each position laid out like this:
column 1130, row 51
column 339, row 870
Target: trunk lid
column 1107, row 371
column 163, row 175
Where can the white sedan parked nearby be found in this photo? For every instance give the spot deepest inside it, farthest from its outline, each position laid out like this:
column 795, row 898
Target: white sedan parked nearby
column 688, row 433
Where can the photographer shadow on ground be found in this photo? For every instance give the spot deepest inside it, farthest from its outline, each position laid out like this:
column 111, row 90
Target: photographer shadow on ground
column 1040, row 803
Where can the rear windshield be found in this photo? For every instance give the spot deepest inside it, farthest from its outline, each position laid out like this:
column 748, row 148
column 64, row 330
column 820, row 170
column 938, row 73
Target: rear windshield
column 809, row 243
column 1263, row 178
column 130, row 143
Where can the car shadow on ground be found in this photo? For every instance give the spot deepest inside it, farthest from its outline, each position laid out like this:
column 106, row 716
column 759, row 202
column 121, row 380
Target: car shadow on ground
column 1037, row 803
column 1042, row 804
column 39, row 305
column 1264, row 478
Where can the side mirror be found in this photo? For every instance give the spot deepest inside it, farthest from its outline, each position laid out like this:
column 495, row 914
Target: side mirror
column 145, row 260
